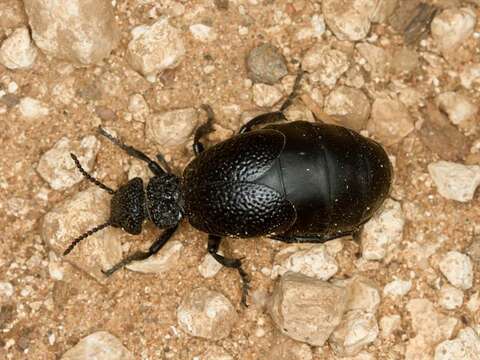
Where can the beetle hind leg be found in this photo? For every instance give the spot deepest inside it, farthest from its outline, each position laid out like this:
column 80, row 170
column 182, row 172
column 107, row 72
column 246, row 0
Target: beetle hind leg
column 203, row 130
column 213, row 245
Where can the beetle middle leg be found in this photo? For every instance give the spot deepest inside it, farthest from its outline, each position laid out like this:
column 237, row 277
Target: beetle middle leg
column 130, row 150
column 203, row 130
column 213, row 245
column 275, row 116
column 142, row 255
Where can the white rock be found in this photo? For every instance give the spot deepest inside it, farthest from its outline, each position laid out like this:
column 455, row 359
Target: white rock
column 55, row 268
column 161, row 262
column 349, row 105
column 458, row 269
column 383, row 233
column 390, row 121
column 17, row 51
column 325, row 64
column 266, row 95
column 378, row 59
column 32, row 108
column 309, row 260
column 207, row 314
column 473, row 304
column 357, row 329
column 397, row 288
column 75, row 216
column 350, row 19
column 450, row 297
column 171, row 128
column 138, row 107
column 6, row 290
column 470, row 75
column 455, row 181
column 307, row 309
column 390, row 323
column 57, row 167
column 452, row 27
column 99, row 346
column 458, row 107
column 80, row 31
column 209, row 267
column 203, row 32
column 363, row 293
column 430, row 328
column 155, row 48
column 466, row 346
column 288, row 349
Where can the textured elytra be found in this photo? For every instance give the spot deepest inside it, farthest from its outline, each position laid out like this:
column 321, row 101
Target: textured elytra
column 238, row 209
column 242, row 158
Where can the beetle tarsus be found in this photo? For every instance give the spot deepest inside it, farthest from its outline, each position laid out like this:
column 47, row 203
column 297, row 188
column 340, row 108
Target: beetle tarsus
column 203, row 130
column 142, row 255
column 213, row 246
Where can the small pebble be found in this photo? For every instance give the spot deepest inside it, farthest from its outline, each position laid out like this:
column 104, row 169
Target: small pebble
column 466, row 346
column 390, row 323
column 78, row 31
column 397, row 288
column 450, row 297
column 18, row 51
column 351, row 19
column 100, row 345
column 325, row 64
column 455, row 181
column 266, row 95
column 203, row 32
column 266, row 64
column 451, row 27
column 206, row 314
column 458, row 107
column 307, row 309
column 32, row 108
column 458, row 269
column 172, row 128
column 357, row 329
column 382, row 234
column 209, row 267
column 155, row 48
column 349, row 105
column 6, row 290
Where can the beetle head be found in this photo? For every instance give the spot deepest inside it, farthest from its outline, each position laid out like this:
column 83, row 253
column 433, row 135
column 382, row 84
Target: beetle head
column 164, row 201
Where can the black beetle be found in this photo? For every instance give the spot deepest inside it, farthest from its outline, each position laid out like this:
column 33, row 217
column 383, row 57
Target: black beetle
column 297, row 182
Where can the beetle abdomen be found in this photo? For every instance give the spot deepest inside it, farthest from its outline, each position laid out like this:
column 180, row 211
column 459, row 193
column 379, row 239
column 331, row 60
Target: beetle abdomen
column 334, row 177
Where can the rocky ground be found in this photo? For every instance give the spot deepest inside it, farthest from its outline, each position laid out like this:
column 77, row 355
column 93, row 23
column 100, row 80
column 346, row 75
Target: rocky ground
column 404, row 72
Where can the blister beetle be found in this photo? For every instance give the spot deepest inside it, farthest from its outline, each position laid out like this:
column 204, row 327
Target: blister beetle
column 296, row 182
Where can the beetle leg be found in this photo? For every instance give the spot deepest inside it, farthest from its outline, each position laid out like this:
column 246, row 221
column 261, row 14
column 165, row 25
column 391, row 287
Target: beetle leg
column 203, row 130
column 294, row 92
column 311, row 239
column 213, row 245
column 130, row 150
column 262, row 120
column 142, row 255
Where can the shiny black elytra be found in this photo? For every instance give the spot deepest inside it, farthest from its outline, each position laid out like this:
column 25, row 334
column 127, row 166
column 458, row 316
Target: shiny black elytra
column 297, row 182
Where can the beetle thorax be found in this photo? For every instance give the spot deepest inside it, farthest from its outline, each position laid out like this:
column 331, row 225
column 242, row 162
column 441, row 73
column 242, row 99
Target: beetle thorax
column 164, row 201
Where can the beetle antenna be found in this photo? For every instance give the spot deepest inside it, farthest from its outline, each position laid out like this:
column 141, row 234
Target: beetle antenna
column 85, row 235
column 90, row 177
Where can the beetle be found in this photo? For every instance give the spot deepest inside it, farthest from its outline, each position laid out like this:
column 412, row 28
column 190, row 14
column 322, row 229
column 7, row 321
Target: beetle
column 296, row 182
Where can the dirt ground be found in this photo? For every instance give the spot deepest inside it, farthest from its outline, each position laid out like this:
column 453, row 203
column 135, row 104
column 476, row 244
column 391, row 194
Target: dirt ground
column 44, row 317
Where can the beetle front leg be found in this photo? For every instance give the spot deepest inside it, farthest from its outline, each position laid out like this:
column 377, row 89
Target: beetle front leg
column 142, row 255
column 203, row 130
column 213, row 245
